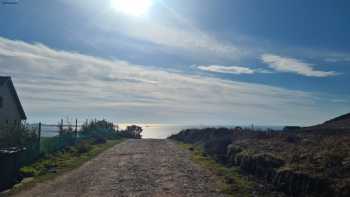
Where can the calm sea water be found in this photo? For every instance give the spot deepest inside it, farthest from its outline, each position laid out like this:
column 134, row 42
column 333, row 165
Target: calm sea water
column 162, row 131
column 47, row 131
column 156, row 131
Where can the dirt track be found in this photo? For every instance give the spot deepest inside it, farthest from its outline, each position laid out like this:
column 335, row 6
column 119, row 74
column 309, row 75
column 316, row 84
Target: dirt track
column 156, row 168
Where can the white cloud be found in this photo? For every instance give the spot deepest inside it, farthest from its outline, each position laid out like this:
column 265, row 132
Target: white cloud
column 233, row 69
column 194, row 41
column 185, row 40
column 54, row 83
column 173, row 32
column 285, row 64
column 227, row 69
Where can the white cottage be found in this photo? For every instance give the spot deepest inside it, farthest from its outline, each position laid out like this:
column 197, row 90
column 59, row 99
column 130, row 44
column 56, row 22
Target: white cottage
column 11, row 110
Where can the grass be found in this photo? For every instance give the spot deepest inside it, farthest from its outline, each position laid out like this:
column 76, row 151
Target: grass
column 59, row 163
column 230, row 180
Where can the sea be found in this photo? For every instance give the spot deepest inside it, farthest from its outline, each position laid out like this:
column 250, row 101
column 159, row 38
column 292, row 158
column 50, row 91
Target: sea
column 159, row 131
column 162, row 131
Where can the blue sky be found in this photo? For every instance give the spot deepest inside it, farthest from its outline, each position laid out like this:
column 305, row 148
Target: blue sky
column 232, row 62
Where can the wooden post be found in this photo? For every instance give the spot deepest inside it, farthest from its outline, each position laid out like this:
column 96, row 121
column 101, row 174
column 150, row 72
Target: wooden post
column 39, row 135
column 76, row 128
column 39, row 130
column 61, row 126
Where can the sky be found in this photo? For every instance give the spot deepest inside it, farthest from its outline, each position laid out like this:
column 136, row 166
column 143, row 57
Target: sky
column 179, row 61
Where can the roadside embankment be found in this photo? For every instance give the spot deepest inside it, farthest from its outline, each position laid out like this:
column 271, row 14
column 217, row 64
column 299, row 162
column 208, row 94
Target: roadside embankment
column 296, row 163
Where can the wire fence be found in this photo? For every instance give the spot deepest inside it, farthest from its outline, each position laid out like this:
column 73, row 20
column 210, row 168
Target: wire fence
column 51, row 130
column 43, row 139
column 22, row 144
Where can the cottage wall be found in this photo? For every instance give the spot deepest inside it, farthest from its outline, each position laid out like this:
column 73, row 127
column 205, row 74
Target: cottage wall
column 9, row 112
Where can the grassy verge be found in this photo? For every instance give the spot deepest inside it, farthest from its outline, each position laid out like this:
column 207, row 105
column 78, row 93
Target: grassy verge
column 56, row 164
column 230, row 180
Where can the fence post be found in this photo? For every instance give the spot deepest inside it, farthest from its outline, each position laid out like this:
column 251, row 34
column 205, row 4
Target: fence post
column 39, row 135
column 76, row 128
column 39, row 130
column 60, row 126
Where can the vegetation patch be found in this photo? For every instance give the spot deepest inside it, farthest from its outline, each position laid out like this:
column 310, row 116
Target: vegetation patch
column 297, row 163
column 60, row 162
column 230, row 179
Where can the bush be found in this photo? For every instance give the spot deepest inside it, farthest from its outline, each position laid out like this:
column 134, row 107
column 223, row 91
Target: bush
column 201, row 136
column 101, row 124
column 100, row 131
column 132, row 131
column 100, row 140
column 83, row 146
column 16, row 136
column 52, row 144
column 28, row 171
column 217, row 148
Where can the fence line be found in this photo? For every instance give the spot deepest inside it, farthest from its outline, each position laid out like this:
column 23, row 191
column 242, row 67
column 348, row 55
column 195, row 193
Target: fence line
column 51, row 130
column 40, row 143
column 46, row 137
column 46, row 130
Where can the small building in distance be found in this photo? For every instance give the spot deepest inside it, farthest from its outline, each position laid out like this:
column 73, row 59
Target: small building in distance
column 11, row 110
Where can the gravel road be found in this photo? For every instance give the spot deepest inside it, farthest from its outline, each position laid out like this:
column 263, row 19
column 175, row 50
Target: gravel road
column 144, row 167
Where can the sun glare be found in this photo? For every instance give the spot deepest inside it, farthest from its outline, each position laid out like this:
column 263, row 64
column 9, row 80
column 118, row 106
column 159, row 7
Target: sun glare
column 132, row 7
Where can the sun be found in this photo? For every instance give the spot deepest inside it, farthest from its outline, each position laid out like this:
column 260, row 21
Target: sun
column 132, row 7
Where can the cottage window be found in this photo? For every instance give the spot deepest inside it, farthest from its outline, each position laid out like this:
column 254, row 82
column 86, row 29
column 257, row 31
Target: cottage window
column 1, row 100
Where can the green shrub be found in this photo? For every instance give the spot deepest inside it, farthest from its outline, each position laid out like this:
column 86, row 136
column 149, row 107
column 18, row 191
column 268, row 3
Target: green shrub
column 132, row 131
column 99, row 131
column 100, row 140
column 93, row 125
column 83, row 146
column 217, row 148
column 28, row 171
column 52, row 144
column 16, row 136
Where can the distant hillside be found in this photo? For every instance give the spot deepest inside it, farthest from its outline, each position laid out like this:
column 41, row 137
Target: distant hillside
column 340, row 118
column 340, row 122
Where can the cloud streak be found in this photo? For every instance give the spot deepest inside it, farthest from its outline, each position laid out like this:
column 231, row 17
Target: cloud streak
column 227, row 69
column 233, row 69
column 189, row 39
column 291, row 65
column 175, row 33
column 55, row 83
